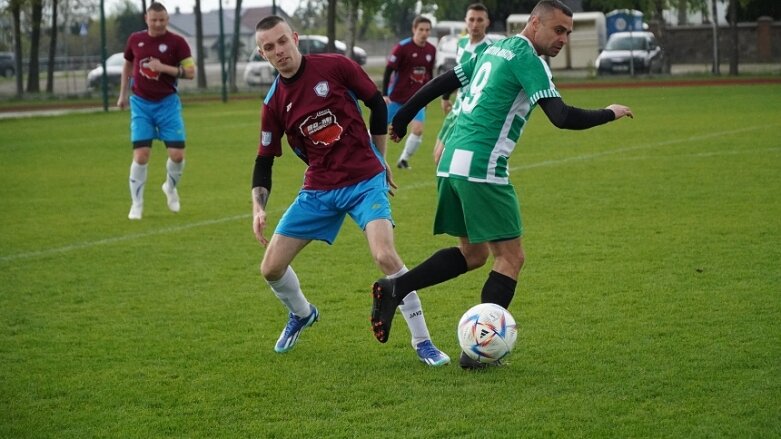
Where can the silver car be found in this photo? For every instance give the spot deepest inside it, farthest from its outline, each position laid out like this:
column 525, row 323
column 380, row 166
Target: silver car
column 258, row 72
column 447, row 48
column 630, row 52
column 114, row 65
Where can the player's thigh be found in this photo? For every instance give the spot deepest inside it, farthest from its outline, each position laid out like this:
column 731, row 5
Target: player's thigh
column 449, row 215
column 311, row 216
column 142, row 122
column 491, row 212
column 169, row 120
column 367, row 201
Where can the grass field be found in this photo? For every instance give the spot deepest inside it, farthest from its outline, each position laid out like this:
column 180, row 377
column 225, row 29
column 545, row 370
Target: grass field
column 649, row 305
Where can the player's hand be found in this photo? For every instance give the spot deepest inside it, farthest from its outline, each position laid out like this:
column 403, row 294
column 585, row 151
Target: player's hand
column 389, row 177
column 438, row 148
column 122, row 101
column 392, row 134
column 154, row 65
column 446, row 106
column 621, row 111
column 258, row 226
column 396, row 133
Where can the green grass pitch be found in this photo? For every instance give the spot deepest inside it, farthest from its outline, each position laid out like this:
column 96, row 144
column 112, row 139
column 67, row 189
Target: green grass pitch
column 649, row 305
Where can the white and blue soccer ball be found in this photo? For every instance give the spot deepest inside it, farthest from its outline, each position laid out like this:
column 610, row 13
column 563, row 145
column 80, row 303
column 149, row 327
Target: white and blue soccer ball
column 487, row 332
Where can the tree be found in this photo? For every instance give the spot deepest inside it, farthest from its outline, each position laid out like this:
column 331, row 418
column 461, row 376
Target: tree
column 126, row 20
column 33, row 75
column 234, row 55
column 16, row 13
column 331, row 32
column 201, row 54
column 52, row 50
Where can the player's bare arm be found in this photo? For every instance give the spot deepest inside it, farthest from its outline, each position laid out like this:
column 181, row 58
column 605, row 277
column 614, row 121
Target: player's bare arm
column 261, row 189
column 124, row 85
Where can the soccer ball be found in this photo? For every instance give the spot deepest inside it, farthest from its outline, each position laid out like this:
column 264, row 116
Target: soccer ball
column 487, row 332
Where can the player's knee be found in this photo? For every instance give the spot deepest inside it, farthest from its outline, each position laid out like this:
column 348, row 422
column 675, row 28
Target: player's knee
column 270, row 272
column 386, row 259
column 476, row 256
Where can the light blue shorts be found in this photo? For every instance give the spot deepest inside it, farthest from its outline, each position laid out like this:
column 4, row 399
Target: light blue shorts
column 156, row 119
column 393, row 108
column 319, row 214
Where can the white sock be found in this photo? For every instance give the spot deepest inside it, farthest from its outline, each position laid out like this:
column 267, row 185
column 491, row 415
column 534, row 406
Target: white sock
column 412, row 310
column 288, row 290
column 174, row 172
column 411, row 146
column 137, row 181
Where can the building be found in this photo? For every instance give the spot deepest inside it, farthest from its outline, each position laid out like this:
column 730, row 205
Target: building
column 184, row 25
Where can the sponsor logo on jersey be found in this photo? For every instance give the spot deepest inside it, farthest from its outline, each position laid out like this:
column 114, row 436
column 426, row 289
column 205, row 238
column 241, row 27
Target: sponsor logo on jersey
column 146, row 72
column 419, row 74
column 322, row 89
column 322, row 128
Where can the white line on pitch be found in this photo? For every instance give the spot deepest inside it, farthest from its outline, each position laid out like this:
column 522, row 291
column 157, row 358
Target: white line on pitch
column 88, row 244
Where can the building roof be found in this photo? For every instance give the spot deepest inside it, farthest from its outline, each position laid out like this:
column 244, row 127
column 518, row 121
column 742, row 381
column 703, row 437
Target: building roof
column 184, row 24
column 252, row 16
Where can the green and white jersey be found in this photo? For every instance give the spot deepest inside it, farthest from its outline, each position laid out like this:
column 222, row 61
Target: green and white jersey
column 500, row 89
column 465, row 52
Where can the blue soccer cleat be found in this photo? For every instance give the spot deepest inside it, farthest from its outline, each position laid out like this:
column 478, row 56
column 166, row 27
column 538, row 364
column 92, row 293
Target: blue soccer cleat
column 429, row 354
column 289, row 337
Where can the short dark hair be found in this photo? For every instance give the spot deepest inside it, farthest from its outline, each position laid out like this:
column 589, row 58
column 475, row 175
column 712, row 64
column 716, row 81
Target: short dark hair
column 270, row 21
column 420, row 19
column 157, row 7
column 477, row 7
column 545, row 7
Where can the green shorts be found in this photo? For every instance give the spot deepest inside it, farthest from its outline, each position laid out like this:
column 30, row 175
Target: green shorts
column 447, row 127
column 482, row 212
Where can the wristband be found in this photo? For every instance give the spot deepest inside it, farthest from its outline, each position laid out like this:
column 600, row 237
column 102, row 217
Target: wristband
column 180, row 73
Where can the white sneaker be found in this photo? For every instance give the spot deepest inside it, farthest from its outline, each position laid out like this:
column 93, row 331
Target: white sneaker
column 172, row 197
column 135, row 211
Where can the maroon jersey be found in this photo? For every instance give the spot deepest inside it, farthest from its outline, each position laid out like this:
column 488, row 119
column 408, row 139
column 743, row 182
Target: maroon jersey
column 318, row 110
column 413, row 66
column 169, row 48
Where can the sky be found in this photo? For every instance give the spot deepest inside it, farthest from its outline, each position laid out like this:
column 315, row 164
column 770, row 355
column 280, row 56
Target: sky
column 186, row 6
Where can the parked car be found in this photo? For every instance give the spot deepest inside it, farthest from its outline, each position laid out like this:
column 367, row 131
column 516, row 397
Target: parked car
column 319, row 43
column 447, row 49
column 7, row 64
column 627, row 52
column 258, row 71
column 114, row 64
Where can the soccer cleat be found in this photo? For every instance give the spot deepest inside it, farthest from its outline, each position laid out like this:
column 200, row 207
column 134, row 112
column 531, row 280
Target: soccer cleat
column 136, row 210
column 384, row 303
column 467, row 363
column 403, row 164
column 289, row 337
column 172, row 197
column 429, row 354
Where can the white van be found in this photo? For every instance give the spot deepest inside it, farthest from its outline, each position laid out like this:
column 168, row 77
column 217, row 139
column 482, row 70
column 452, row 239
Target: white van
column 585, row 42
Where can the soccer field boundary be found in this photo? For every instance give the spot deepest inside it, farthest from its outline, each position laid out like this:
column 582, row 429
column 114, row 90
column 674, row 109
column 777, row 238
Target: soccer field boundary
column 115, row 239
column 584, row 157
